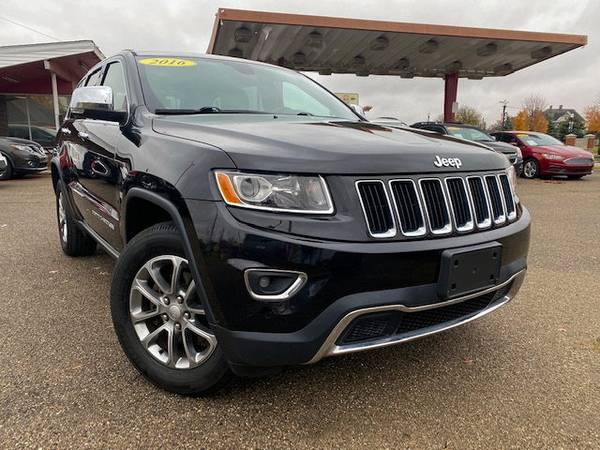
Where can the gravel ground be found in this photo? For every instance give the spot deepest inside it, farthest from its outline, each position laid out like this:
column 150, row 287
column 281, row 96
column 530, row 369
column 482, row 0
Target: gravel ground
column 527, row 376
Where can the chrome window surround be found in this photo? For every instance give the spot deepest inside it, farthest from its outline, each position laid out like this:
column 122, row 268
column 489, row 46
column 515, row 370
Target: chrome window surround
column 488, row 222
column 502, row 218
column 392, row 231
column 287, row 294
column 446, row 229
column 421, row 231
column 330, row 348
column 470, row 225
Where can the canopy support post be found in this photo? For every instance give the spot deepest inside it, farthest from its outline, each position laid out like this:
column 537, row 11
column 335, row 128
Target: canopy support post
column 450, row 93
column 55, row 100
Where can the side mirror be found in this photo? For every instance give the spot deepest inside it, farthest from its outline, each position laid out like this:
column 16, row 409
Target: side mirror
column 358, row 110
column 95, row 102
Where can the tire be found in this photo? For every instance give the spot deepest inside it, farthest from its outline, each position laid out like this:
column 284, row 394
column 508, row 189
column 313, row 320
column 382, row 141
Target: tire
column 171, row 343
column 73, row 240
column 8, row 172
column 531, row 168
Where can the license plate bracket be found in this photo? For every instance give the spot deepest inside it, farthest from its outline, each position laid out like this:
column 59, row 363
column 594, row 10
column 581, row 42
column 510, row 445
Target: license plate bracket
column 469, row 269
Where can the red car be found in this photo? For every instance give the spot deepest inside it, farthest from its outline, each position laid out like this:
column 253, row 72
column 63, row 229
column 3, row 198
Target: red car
column 545, row 156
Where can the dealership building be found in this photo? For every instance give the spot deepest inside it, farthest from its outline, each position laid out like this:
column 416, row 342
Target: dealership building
column 36, row 81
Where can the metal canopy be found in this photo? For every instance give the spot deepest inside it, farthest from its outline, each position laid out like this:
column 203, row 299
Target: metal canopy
column 364, row 47
column 24, row 68
column 49, row 68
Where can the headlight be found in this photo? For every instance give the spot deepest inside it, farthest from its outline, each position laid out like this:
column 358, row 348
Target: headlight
column 512, row 179
column 283, row 193
column 23, row 148
column 519, row 153
column 552, row 156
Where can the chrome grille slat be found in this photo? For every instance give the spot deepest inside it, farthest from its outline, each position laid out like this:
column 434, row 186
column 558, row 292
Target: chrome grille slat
column 436, row 206
column 459, row 203
column 509, row 202
column 408, row 207
column 376, row 207
column 481, row 204
column 495, row 197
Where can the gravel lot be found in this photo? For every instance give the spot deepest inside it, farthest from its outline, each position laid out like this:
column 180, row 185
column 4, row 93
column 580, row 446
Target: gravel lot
column 527, row 376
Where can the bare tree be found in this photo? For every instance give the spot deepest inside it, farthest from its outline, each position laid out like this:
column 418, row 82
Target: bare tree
column 534, row 106
column 535, row 103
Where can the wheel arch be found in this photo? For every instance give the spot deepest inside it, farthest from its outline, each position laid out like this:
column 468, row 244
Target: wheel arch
column 167, row 209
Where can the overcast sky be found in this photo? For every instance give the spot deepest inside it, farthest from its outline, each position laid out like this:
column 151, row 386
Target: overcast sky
column 572, row 79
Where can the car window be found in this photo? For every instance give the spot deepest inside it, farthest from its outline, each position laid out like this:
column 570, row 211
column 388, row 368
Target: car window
column 114, row 78
column 41, row 135
column 234, row 86
column 94, row 78
column 471, row 134
column 18, row 132
column 504, row 137
column 538, row 139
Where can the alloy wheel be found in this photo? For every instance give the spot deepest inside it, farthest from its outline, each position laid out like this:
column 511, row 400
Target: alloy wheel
column 530, row 169
column 167, row 315
column 62, row 219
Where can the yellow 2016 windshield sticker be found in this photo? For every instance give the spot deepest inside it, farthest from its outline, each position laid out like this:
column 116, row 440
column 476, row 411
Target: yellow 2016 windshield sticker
column 167, row 62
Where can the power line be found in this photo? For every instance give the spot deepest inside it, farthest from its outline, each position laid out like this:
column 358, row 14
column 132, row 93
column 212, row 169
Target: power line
column 28, row 28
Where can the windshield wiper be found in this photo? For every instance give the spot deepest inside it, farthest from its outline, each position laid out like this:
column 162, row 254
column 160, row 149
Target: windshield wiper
column 203, row 110
column 206, row 110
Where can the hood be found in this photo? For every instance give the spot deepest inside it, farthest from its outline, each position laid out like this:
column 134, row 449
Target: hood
column 568, row 151
column 301, row 144
column 14, row 140
column 502, row 147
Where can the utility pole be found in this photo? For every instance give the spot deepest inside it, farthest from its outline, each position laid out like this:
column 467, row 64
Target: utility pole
column 504, row 103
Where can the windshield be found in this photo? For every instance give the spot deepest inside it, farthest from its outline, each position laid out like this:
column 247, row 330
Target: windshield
column 534, row 140
column 205, row 85
column 470, row 134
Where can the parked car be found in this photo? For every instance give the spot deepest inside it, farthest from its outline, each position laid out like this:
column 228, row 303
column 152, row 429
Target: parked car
column 389, row 122
column 546, row 156
column 23, row 157
column 44, row 136
column 472, row 133
column 258, row 222
column 3, row 164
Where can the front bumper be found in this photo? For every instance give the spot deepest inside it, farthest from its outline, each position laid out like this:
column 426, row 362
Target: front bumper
column 345, row 280
column 560, row 168
column 30, row 163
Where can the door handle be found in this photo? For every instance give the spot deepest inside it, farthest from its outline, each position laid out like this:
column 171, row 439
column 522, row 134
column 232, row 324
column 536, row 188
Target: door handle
column 83, row 135
column 65, row 130
column 99, row 168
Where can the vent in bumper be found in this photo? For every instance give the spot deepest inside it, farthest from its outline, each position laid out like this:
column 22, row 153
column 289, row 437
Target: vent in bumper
column 398, row 324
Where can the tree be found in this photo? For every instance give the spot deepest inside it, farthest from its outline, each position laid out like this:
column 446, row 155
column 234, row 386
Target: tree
column 592, row 119
column 535, row 103
column 520, row 121
column 525, row 120
column 468, row 115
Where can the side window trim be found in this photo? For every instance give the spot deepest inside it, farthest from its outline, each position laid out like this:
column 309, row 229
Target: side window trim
column 122, row 66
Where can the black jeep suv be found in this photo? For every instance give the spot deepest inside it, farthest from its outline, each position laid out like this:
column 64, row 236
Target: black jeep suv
column 258, row 222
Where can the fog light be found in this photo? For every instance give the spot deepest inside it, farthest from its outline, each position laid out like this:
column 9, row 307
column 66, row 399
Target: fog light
column 273, row 285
